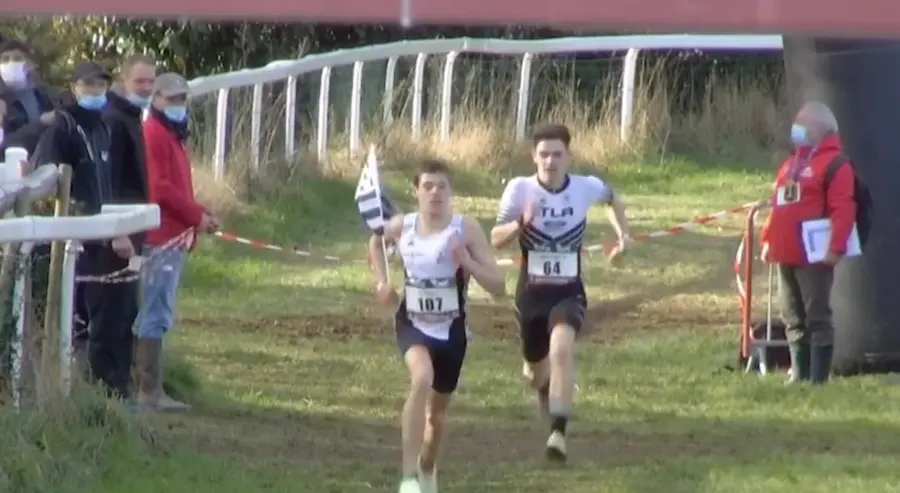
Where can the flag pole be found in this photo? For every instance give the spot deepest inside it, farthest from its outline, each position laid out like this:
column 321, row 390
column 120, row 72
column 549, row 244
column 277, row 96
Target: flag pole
column 372, row 162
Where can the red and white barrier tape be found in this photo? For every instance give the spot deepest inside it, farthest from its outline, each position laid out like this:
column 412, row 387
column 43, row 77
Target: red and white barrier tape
column 605, row 247
column 132, row 272
column 223, row 235
column 671, row 230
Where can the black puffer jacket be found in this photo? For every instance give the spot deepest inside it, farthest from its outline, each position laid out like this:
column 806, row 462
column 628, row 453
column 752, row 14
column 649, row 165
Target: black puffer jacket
column 82, row 139
column 127, row 154
column 20, row 130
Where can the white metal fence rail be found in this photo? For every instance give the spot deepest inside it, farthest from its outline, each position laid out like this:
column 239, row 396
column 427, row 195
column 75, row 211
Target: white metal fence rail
column 289, row 70
column 113, row 221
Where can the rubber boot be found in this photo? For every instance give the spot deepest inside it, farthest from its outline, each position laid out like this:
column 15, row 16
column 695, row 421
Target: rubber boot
column 820, row 363
column 164, row 402
column 80, row 364
column 800, row 362
column 145, row 361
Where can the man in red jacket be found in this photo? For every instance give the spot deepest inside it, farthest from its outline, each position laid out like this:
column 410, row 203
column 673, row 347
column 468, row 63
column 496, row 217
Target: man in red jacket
column 801, row 194
column 181, row 217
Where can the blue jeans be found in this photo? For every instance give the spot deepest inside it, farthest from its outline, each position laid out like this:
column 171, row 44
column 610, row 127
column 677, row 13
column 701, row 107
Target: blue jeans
column 159, row 291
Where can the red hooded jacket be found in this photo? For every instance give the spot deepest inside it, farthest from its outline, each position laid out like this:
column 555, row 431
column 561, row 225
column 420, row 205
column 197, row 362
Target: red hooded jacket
column 169, row 182
column 782, row 229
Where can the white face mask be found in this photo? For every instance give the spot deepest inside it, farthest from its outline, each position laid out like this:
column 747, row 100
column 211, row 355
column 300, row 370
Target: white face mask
column 13, row 73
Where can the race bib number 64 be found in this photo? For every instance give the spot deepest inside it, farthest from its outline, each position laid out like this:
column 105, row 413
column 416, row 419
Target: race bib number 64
column 553, row 265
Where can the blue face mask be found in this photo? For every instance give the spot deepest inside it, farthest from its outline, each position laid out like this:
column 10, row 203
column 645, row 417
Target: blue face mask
column 92, row 103
column 137, row 100
column 176, row 113
column 799, row 135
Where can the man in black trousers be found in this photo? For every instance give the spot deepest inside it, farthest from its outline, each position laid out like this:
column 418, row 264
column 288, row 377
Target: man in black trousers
column 127, row 157
column 122, row 115
column 80, row 136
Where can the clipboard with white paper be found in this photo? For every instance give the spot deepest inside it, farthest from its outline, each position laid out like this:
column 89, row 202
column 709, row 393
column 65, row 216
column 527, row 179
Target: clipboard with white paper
column 817, row 237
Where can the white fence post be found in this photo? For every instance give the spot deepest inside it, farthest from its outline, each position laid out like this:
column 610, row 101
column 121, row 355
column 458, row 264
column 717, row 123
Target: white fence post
column 523, row 95
column 324, row 102
column 256, row 126
column 390, row 73
column 221, row 134
column 447, row 95
column 418, row 94
column 290, row 117
column 355, row 107
column 627, row 104
column 66, row 309
column 290, row 69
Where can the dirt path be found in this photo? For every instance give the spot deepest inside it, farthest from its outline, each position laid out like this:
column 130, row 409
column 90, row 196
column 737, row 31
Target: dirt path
column 286, row 435
column 606, row 322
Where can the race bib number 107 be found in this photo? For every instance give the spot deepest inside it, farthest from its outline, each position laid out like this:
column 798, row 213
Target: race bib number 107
column 431, row 301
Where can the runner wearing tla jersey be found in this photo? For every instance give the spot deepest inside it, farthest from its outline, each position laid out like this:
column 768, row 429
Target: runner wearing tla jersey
column 548, row 213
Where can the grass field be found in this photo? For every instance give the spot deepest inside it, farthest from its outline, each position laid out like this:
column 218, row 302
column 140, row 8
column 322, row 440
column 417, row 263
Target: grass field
column 299, row 384
column 302, row 384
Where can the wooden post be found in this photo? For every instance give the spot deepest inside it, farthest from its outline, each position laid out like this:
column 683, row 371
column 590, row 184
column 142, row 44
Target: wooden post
column 49, row 384
column 7, row 274
column 9, row 271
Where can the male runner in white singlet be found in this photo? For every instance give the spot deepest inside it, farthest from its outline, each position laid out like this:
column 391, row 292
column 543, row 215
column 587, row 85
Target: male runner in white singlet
column 440, row 250
column 548, row 213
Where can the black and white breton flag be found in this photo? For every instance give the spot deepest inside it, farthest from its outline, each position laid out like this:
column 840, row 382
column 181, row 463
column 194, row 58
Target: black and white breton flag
column 373, row 204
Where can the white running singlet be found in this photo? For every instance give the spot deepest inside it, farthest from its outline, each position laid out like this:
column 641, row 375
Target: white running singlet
column 551, row 244
column 434, row 287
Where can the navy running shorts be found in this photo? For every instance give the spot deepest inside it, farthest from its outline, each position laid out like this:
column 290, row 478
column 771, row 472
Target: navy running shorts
column 446, row 356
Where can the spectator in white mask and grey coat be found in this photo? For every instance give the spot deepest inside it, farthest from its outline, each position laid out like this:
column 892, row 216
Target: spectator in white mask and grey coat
column 29, row 104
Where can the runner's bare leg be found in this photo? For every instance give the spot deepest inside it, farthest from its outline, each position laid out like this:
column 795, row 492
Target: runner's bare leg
column 413, row 418
column 562, row 386
column 431, row 445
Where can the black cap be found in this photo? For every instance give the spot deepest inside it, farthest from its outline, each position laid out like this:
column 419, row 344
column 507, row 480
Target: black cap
column 89, row 70
column 12, row 44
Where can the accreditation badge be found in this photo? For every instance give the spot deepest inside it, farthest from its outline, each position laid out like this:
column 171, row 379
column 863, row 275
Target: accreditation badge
column 789, row 193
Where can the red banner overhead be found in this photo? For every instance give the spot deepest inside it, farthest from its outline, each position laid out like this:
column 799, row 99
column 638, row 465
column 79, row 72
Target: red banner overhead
column 858, row 18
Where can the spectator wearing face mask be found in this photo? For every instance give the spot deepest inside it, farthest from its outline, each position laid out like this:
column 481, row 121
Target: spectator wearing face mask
column 170, row 185
column 79, row 136
column 30, row 107
column 803, row 191
column 124, row 115
column 127, row 164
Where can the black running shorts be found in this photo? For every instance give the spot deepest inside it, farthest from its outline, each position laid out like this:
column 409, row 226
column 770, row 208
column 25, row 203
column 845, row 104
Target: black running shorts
column 446, row 356
column 537, row 312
